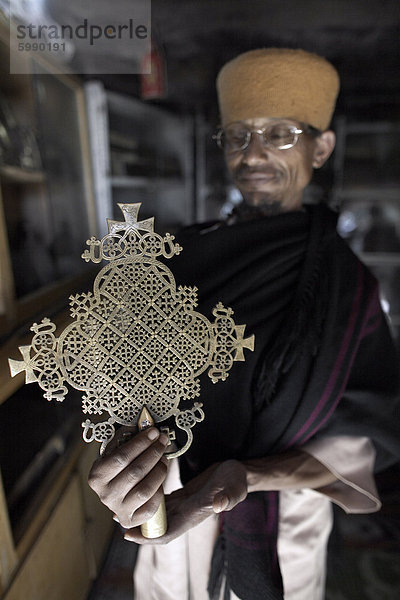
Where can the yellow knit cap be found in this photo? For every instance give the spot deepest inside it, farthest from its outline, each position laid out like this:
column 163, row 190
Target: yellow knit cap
column 278, row 82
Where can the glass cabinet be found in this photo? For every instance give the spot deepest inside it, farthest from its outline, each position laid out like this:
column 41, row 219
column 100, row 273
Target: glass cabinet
column 47, row 211
column 46, row 191
column 367, row 189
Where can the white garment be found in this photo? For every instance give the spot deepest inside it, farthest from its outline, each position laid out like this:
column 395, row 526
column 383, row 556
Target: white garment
column 180, row 569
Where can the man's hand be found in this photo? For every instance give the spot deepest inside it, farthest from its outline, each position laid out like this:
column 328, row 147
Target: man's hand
column 221, row 487
column 129, row 478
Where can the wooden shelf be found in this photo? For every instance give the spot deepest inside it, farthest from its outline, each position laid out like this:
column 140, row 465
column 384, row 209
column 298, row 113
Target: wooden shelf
column 367, row 193
column 129, row 182
column 64, row 543
column 14, row 174
column 376, row 259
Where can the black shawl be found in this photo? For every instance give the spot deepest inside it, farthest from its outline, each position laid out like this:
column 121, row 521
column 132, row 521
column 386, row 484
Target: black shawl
column 324, row 364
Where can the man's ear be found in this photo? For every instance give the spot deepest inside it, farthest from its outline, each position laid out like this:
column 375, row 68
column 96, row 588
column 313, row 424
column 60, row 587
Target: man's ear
column 324, row 145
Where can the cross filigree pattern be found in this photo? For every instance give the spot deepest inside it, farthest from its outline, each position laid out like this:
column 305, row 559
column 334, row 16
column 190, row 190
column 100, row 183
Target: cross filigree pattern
column 136, row 339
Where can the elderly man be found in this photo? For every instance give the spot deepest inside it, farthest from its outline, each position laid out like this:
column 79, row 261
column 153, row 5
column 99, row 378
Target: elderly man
column 300, row 423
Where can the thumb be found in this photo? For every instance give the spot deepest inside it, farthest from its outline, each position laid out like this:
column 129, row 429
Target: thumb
column 220, row 502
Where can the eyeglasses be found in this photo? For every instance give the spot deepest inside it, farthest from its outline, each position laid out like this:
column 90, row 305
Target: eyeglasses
column 236, row 136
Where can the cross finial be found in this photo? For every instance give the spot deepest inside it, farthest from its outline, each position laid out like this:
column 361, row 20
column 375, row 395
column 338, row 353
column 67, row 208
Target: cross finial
column 243, row 342
column 130, row 212
column 17, row 366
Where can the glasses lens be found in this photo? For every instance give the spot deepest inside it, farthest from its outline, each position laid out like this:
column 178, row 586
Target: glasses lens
column 280, row 136
column 235, row 137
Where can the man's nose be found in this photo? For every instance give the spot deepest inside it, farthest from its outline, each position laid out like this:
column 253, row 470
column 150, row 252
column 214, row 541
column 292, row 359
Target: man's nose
column 256, row 152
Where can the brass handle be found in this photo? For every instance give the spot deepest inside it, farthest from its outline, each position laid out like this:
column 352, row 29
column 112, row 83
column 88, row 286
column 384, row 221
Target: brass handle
column 157, row 525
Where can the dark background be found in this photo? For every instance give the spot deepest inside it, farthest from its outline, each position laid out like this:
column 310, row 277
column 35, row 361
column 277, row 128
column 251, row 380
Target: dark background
column 360, row 37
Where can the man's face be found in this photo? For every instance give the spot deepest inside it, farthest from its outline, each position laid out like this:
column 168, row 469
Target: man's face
column 270, row 177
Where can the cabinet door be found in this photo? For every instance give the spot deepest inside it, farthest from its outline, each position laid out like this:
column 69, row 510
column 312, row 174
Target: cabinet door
column 8, row 558
column 57, row 568
column 99, row 522
column 46, row 201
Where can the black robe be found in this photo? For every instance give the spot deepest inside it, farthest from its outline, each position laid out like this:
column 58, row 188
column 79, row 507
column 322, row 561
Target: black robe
column 324, row 364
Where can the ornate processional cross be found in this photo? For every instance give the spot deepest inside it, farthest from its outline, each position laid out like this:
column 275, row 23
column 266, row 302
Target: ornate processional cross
column 136, row 340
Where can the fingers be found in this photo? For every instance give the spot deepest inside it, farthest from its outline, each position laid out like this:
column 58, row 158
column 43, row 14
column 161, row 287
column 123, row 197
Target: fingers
column 144, row 473
column 111, row 464
column 132, row 514
column 129, row 479
column 179, row 521
column 136, row 504
column 144, row 512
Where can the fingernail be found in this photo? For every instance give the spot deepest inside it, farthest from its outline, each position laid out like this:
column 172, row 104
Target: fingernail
column 153, row 433
column 116, row 518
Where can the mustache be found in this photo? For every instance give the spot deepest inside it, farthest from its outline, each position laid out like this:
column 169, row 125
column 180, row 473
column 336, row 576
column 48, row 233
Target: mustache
column 243, row 171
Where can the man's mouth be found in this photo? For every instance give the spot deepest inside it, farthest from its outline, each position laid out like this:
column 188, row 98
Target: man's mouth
column 256, row 176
